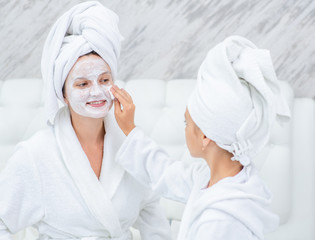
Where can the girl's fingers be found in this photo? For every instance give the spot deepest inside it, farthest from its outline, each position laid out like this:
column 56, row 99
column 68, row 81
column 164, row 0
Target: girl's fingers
column 117, row 106
column 122, row 92
column 127, row 94
column 117, row 94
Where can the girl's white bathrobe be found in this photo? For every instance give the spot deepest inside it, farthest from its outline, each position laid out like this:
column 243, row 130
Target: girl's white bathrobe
column 235, row 208
column 49, row 183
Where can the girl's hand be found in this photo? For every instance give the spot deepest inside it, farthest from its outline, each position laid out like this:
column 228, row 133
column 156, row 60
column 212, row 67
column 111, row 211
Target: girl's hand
column 124, row 117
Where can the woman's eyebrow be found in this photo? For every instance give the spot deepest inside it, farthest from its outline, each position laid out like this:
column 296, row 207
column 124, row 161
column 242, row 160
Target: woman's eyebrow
column 107, row 72
column 80, row 78
column 86, row 78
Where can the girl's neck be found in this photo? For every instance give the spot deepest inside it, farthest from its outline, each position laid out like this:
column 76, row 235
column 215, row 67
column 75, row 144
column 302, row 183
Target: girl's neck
column 221, row 166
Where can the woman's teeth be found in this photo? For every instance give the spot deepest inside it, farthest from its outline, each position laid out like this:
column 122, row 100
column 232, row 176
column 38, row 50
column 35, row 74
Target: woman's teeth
column 96, row 102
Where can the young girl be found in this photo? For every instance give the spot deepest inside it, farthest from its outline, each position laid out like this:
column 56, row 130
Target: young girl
column 228, row 120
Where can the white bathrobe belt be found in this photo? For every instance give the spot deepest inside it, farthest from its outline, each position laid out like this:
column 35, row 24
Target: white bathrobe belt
column 126, row 236
column 107, row 238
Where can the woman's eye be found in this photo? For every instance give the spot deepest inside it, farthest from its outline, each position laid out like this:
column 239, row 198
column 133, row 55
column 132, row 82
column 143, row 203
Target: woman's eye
column 82, row 84
column 105, row 80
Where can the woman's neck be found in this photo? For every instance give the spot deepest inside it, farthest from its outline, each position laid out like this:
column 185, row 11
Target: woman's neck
column 88, row 130
column 221, row 166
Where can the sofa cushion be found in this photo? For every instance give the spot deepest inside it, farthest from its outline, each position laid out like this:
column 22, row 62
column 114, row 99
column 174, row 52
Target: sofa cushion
column 21, row 102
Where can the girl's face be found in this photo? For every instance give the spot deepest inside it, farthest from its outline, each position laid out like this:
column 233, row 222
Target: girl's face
column 87, row 87
column 194, row 137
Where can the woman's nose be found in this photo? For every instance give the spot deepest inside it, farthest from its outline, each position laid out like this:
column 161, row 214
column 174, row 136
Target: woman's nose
column 95, row 90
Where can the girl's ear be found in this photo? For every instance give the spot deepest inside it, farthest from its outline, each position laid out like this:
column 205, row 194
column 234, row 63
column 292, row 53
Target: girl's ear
column 206, row 141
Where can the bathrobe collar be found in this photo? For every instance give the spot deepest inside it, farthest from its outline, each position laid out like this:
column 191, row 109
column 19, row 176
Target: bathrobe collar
column 97, row 199
column 111, row 172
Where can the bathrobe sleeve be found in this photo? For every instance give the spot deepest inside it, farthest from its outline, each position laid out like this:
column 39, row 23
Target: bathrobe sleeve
column 152, row 222
column 151, row 166
column 20, row 193
column 4, row 232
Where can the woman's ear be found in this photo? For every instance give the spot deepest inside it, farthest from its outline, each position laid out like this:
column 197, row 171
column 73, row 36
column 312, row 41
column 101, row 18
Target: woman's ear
column 64, row 93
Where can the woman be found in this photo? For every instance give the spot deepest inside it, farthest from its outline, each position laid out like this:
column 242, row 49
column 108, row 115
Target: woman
column 64, row 180
column 228, row 120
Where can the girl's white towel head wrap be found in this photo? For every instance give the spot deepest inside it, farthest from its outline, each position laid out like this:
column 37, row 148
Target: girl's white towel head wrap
column 86, row 27
column 237, row 98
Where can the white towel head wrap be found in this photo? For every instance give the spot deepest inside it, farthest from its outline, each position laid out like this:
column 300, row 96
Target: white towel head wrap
column 237, row 98
column 86, row 27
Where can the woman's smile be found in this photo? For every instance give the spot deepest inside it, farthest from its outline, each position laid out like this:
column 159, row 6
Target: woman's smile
column 97, row 104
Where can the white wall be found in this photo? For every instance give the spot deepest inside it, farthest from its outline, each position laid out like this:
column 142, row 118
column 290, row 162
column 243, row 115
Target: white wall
column 168, row 39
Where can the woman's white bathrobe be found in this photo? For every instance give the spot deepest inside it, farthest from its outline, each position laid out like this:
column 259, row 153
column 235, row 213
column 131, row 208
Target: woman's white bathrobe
column 49, row 183
column 235, row 208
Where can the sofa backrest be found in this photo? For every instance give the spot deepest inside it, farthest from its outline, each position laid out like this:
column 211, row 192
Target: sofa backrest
column 21, row 113
column 160, row 107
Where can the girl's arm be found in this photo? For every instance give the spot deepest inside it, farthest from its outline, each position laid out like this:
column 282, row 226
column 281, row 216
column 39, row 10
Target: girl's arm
column 148, row 162
column 151, row 166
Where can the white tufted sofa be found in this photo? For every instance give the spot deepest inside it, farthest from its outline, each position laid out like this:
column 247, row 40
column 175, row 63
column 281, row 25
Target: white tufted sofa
column 287, row 164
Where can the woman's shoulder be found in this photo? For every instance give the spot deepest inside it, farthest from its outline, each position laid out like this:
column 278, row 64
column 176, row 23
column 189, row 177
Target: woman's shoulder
column 39, row 141
column 29, row 152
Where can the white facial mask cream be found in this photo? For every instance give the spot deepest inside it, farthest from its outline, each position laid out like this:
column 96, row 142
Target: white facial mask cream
column 88, row 88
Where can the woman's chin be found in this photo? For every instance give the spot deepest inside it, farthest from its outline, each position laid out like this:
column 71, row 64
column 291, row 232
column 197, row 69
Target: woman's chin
column 90, row 112
column 97, row 115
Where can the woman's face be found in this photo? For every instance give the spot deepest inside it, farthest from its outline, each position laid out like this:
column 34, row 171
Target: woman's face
column 194, row 136
column 87, row 87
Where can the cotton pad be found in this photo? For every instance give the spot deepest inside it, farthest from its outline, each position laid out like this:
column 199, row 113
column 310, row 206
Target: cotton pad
column 111, row 94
